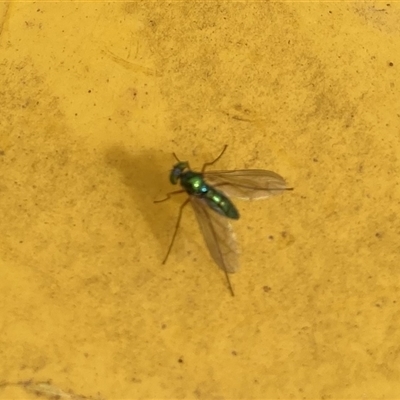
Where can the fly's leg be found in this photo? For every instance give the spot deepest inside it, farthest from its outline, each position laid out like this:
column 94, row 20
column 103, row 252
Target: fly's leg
column 229, row 282
column 176, row 157
column 207, row 164
column 176, row 228
column 169, row 196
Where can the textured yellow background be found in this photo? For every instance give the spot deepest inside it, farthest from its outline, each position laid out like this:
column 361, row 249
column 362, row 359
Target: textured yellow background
column 95, row 97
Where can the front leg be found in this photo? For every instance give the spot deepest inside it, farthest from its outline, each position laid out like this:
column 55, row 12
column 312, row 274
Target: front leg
column 169, row 196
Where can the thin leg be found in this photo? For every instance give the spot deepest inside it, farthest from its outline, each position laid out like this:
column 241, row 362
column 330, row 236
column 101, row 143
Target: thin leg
column 229, row 282
column 169, row 196
column 207, row 164
column 176, row 228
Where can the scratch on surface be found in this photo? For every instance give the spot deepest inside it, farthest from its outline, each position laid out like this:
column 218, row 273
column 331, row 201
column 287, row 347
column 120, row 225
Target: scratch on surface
column 243, row 114
column 4, row 18
column 129, row 65
column 46, row 389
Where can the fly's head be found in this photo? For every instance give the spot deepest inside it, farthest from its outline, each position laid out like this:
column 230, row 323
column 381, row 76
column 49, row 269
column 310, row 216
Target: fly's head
column 177, row 171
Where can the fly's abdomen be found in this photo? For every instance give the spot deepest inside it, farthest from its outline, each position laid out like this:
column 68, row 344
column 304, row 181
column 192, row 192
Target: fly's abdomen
column 220, row 203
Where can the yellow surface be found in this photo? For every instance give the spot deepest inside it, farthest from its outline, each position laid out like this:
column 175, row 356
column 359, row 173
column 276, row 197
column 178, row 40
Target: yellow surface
column 95, row 97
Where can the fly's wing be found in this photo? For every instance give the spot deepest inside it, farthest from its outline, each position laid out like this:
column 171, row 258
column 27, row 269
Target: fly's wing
column 247, row 183
column 218, row 235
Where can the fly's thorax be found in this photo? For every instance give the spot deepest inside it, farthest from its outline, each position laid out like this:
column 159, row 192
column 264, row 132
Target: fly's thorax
column 193, row 183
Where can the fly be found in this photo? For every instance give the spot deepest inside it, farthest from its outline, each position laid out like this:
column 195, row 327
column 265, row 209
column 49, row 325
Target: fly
column 209, row 193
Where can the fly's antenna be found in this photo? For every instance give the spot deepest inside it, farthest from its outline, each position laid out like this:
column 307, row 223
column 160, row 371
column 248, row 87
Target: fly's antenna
column 176, row 157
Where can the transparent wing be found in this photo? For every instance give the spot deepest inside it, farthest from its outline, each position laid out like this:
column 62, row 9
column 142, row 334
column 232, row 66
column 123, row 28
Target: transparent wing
column 247, row 183
column 218, row 235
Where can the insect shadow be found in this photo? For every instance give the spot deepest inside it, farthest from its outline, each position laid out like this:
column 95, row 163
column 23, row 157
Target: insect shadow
column 139, row 172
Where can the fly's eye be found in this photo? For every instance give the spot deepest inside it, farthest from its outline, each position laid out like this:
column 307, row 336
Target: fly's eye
column 174, row 176
column 177, row 171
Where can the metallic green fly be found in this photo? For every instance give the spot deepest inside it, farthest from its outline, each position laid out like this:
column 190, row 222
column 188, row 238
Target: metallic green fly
column 208, row 193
